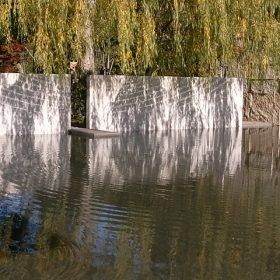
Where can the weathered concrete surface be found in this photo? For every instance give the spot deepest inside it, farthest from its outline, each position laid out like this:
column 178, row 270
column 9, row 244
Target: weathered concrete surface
column 34, row 104
column 92, row 133
column 262, row 101
column 126, row 103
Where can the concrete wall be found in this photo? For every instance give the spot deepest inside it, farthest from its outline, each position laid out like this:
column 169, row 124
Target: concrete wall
column 34, row 104
column 126, row 103
column 262, row 101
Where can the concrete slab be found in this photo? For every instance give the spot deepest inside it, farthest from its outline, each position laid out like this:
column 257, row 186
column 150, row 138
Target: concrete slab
column 94, row 133
column 91, row 133
column 253, row 124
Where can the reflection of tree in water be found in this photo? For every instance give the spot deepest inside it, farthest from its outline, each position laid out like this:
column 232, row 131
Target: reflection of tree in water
column 211, row 223
column 34, row 204
column 42, row 189
column 155, row 174
column 108, row 220
column 19, row 231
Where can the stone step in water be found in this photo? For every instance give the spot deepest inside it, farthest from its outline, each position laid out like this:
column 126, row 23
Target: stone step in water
column 91, row 133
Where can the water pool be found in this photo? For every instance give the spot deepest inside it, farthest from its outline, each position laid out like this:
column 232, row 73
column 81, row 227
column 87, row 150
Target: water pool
column 179, row 205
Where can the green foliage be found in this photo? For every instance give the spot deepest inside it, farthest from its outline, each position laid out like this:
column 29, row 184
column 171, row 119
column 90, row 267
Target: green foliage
column 5, row 20
column 167, row 37
column 78, row 100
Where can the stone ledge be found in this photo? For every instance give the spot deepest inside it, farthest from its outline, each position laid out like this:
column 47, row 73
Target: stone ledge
column 91, row 133
column 248, row 124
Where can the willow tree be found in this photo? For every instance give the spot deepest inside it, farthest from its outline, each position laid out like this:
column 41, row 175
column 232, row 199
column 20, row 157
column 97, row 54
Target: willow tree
column 191, row 37
column 195, row 37
column 125, row 31
column 5, row 20
column 54, row 31
column 166, row 37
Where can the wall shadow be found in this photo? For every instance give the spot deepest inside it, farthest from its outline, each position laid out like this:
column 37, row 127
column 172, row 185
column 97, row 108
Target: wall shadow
column 34, row 104
column 127, row 103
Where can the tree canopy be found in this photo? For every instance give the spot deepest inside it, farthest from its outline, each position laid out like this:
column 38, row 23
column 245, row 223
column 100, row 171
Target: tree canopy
column 153, row 37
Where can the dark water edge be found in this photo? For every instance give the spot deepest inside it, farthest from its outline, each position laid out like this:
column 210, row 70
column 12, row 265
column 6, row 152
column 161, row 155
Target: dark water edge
column 179, row 205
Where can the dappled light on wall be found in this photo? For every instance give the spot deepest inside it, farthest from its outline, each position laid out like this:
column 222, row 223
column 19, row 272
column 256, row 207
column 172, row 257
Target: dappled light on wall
column 34, row 104
column 126, row 103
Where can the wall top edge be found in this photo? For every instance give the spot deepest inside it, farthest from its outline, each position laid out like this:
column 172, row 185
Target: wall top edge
column 39, row 75
column 180, row 77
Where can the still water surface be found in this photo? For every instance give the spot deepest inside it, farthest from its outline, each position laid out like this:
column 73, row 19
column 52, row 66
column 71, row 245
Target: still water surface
column 180, row 205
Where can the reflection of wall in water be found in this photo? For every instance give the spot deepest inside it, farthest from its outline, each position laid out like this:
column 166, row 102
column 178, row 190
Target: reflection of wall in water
column 33, row 170
column 164, row 158
column 261, row 160
column 101, row 161
column 134, row 179
column 262, row 148
column 31, row 157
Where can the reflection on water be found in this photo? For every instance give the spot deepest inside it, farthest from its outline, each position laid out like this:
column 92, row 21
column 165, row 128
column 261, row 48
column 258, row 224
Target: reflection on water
column 179, row 205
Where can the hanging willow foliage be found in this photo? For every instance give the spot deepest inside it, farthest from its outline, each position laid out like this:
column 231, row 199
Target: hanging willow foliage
column 5, row 20
column 166, row 37
column 54, row 31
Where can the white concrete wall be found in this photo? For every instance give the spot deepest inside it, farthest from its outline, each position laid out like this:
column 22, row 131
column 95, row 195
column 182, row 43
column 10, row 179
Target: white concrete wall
column 127, row 103
column 34, row 104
